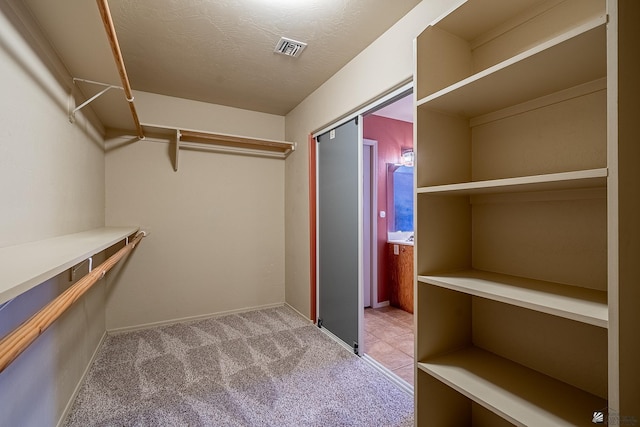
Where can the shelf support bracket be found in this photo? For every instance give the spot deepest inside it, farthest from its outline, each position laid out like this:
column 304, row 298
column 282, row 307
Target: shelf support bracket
column 75, row 268
column 107, row 87
column 177, row 152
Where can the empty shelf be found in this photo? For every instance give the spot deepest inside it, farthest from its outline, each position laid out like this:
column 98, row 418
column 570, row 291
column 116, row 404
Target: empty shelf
column 580, row 54
column 520, row 395
column 571, row 302
column 236, row 141
column 25, row 266
column 554, row 181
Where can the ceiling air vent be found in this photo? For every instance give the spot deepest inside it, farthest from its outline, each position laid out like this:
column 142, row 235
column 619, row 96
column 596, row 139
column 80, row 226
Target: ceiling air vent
column 289, row 47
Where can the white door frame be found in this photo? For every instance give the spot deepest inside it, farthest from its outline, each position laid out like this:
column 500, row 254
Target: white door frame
column 374, row 222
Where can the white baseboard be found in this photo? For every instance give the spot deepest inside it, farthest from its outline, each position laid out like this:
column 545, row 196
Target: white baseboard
column 192, row 318
column 72, row 399
column 301, row 315
column 380, row 304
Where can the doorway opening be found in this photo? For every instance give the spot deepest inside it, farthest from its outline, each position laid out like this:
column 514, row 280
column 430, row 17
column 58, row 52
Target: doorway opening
column 354, row 163
column 388, row 335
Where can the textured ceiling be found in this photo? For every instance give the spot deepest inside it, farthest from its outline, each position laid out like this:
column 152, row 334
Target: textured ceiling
column 221, row 51
column 216, row 51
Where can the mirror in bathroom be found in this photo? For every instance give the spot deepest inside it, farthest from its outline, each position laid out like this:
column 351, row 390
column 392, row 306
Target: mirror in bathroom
column 400, row 198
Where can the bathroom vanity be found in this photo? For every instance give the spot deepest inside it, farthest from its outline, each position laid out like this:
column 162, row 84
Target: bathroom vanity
column 400, row 268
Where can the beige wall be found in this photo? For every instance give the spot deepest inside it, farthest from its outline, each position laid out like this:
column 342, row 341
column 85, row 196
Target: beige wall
column 51, row 183
column 41, row 153
column 195, row 115
column 216, row 225
column 384, row 65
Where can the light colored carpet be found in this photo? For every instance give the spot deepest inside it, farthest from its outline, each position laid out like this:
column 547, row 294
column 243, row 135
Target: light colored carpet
column 261, row 368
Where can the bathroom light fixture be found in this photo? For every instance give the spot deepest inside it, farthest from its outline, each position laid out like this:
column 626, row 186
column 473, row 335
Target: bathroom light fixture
column 407, row 157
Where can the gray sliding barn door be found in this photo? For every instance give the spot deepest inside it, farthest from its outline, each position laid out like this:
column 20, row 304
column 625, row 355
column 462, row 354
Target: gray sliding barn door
column 338, row 232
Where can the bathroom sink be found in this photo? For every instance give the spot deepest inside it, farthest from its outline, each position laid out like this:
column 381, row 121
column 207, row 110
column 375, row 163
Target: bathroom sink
column 401, row 242
column 400, row 237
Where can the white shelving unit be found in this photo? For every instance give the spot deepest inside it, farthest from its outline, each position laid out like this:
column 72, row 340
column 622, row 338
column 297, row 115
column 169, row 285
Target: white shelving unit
column 521, row 196
column 25, row 266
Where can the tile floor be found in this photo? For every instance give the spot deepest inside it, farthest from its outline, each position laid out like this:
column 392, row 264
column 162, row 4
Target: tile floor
column 389, row 339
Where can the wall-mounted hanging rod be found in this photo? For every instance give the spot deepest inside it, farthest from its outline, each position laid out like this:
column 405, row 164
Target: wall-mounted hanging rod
column 17, row 341
column 103, row 6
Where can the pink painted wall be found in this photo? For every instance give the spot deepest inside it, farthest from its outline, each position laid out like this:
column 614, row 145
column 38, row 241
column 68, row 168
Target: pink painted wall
column 392, row 136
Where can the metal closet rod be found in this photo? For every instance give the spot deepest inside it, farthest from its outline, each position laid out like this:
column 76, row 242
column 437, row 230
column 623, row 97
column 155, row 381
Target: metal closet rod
column 103, row 6
column 17, row 341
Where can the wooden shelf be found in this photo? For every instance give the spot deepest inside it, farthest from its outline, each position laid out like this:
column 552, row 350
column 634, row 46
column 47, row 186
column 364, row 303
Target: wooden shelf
column 219, row 142
column 25, row 266
column 571, row 302
column 579, row 53
column 236, row 141
column 522, row 396
column 555, row 181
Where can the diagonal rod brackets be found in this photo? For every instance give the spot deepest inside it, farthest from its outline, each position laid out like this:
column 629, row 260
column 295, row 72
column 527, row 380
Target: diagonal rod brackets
column 72, row 114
